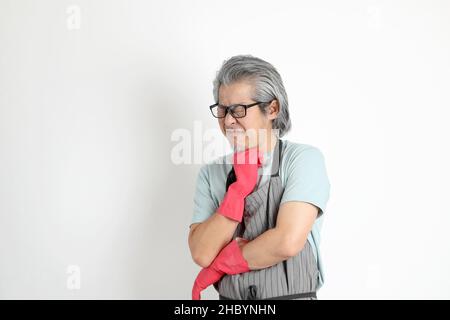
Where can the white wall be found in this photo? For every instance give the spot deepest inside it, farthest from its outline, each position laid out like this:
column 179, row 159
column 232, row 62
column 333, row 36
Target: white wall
column 88, row 104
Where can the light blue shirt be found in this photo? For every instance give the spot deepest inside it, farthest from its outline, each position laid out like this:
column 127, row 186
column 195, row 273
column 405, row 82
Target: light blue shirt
column 304, row 178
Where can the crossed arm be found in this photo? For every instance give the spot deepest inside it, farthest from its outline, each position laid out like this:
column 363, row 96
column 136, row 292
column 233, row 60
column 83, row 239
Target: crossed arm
column 294, row 222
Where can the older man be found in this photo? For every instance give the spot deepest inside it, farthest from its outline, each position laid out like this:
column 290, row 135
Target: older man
column 256, row 223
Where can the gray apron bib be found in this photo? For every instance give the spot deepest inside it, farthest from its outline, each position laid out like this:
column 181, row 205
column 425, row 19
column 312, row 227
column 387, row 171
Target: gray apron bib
column 294, row 278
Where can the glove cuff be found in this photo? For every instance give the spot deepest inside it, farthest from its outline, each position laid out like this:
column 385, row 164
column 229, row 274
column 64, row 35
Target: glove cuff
column 232, row 205
column 234, row 262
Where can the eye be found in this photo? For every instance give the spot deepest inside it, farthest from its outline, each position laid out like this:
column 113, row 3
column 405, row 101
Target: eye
column 221, row 111
column 238, row 111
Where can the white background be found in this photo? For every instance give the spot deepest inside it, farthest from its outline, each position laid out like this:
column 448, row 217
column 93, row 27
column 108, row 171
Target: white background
column 87, row 111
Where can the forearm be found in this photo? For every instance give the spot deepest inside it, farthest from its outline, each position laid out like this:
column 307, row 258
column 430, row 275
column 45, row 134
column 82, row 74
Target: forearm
column 210, row 237
column 266, row 250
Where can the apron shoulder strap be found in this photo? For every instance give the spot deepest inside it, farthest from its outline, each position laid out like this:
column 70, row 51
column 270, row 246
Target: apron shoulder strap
column 231, row 178
column 277, row 160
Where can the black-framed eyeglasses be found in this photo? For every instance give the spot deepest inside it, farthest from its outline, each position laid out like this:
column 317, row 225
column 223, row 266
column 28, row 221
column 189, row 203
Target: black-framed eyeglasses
column 236, row 110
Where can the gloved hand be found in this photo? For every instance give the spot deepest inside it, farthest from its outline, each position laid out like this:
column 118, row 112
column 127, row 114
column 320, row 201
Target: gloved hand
column 228, row 261
column 245, row 164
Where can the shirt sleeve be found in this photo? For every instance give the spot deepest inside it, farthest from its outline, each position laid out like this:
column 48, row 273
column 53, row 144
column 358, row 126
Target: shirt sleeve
column 204, row 205
column 307, row 179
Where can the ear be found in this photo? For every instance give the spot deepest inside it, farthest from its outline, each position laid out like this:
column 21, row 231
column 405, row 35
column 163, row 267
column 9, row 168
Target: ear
column 272, row 109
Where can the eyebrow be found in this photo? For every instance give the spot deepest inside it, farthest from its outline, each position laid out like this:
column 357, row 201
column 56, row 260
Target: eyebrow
column 244, row 103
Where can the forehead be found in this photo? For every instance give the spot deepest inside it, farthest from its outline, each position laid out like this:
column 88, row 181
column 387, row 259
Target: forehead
column 236, row 93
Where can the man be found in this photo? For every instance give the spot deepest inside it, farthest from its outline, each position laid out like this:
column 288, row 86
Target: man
column 256, row 224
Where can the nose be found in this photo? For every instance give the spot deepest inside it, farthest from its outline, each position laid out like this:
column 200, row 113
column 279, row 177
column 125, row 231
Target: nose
column 229, row 120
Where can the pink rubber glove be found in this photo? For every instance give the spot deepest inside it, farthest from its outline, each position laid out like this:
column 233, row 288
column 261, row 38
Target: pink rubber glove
column 228, row 261
column 245, row 164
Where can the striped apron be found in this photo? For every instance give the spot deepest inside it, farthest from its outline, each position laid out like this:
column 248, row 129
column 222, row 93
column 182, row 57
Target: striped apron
column 296, row 278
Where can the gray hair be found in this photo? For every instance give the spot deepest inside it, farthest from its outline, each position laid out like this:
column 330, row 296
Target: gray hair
column 267, row 85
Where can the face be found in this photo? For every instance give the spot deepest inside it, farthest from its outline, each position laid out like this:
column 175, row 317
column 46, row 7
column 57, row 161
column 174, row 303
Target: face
column 245, row 132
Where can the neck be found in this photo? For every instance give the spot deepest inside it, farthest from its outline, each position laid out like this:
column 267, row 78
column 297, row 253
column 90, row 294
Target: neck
column 269, row 142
